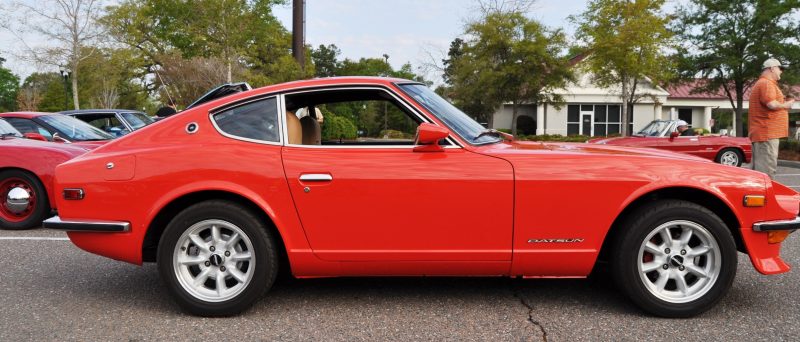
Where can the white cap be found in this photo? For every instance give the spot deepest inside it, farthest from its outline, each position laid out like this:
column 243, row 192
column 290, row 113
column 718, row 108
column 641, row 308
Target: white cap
column 772, row 62
column 682, row 123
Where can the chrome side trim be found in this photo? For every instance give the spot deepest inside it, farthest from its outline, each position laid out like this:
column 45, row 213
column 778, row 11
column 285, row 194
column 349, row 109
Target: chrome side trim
column 777, row 225
column 55, row 222
column 316, row 177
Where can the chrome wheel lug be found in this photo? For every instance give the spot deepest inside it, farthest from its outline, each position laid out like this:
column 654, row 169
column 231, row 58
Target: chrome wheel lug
column 665, row 266
column 208, row 263
column 227, row 253
column 222, row 268
column 667, row 251
column 683, row 252
column 212, row 248
column 681, row 268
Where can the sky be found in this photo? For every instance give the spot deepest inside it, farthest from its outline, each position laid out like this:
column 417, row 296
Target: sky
column 409, row 31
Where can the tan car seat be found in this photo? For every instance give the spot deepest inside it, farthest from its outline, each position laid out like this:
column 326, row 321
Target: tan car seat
column 294, row 129
column 312, row 132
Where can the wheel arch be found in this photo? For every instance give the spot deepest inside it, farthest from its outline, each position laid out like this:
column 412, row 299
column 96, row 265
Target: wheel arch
column 693, row 195
column 157, row 225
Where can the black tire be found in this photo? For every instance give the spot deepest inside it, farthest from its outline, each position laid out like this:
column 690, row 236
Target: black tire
column 629, row 254
column 264, row 256
column 727, row 155
column 39, row 208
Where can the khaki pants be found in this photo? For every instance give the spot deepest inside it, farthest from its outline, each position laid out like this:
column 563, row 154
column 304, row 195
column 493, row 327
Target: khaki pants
column 765, row 157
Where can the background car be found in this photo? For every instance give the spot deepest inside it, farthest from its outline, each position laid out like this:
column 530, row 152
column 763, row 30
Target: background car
column 117, row 122
column 661, row 134
column 26, row 177
column 220, row 195
column 58, row 128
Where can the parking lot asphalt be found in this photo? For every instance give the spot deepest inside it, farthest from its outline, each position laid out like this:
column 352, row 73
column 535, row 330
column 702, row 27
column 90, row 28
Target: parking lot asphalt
column 51, row 290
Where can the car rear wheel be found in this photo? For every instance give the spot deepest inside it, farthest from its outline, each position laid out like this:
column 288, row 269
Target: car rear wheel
column 730, row 156
column 217, row 258
column 24, row 198
column 674, row 259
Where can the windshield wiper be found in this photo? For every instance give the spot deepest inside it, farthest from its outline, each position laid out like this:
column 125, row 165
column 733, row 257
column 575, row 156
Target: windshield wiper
column 9, row 134
column 490, row 131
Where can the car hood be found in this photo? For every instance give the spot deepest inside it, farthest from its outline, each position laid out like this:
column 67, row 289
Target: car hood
column 70, row 149
column 525, row 147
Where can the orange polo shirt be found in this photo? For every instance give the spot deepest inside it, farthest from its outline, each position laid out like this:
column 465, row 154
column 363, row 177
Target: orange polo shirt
column 765, row 123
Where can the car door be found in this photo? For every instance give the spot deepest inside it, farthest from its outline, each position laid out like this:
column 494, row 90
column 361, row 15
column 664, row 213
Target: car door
column 371, row 197
column 684, row 144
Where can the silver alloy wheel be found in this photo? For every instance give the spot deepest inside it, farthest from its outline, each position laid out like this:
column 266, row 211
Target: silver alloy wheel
column 729, row 157
column 679, row 261
column 214, row 260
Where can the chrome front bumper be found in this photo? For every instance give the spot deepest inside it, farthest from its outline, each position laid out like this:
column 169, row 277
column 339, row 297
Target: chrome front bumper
column 777, row 225
column 55, row 222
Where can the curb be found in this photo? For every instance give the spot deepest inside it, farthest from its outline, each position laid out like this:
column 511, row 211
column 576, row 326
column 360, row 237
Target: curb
column 789, row 163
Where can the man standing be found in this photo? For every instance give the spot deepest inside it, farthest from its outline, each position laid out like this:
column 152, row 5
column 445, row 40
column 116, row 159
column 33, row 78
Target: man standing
column 769, row 118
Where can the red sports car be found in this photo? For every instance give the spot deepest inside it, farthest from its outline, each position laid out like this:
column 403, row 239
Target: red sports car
column 26, row 177
column 57, row 128
column 663, row 134
column 398, row 182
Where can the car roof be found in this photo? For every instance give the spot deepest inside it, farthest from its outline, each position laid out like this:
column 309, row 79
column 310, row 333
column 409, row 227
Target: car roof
column 94, row 111
column 26, row 115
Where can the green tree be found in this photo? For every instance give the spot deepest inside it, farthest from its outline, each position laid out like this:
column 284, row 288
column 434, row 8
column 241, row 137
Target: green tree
column 508, row 57
column 45, row 92
column 726, row 42
column 326, row 61
column 9, row 87
column 627, row 40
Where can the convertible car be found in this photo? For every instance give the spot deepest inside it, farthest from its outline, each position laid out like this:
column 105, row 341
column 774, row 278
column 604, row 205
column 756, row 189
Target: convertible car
column 662, row 134
column 26, row 177
column 398, row 182
column 117, row 122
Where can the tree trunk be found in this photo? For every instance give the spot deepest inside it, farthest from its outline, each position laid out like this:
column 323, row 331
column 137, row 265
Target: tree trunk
column 739, row 109
column 75, row 85
column 230, row 71
column 624, row 113
column 514, row 118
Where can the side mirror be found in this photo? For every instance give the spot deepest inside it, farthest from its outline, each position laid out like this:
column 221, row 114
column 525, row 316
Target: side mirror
column 428, row 136
column 34, row 136
column 673, row 135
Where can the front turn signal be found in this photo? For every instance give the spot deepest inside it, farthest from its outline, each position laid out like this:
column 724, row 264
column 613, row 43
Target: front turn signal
column 777, row 236
column 754, row 201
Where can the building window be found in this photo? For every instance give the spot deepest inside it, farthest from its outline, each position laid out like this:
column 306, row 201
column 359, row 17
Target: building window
column 685, row 114
column 573, row 119
column 605, row 119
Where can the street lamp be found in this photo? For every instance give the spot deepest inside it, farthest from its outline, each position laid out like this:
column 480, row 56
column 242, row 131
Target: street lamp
column 65, row 74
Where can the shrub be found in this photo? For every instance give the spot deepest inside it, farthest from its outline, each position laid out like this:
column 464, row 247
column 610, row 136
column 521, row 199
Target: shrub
column 338, row 127
column 395, row 134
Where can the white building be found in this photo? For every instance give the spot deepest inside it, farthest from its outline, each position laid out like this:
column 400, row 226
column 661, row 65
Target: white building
column 592, row 110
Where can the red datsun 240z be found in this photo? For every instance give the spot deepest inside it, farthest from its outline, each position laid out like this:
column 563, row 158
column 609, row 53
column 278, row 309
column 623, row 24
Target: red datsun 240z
column 368, row 176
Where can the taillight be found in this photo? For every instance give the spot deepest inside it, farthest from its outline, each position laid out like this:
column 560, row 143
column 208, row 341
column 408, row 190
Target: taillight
column 73, row 194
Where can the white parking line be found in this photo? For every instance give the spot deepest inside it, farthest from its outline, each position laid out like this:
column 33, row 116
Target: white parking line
column 788, row 174
column 34, row 238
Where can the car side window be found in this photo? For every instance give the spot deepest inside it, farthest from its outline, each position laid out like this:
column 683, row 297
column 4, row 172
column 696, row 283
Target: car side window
column 257, row 120
column 362, row 117
column 28, row 126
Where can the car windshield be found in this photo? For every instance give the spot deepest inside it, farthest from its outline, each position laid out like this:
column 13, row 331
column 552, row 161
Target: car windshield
column 7, row 130
column 453, row 117
column 654, row 129
column 74, row 129
column 137, row 120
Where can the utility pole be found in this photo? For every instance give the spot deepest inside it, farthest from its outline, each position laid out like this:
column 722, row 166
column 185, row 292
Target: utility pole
column 298, row 32
column 65, row 73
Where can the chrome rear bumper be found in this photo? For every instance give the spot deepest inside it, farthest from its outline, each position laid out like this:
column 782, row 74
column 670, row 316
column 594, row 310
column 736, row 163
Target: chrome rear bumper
column 777, row 225
column 55, row 222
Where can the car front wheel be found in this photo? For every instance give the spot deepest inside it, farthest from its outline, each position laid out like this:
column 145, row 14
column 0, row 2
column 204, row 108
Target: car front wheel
column 674, row 259
column 217, row 258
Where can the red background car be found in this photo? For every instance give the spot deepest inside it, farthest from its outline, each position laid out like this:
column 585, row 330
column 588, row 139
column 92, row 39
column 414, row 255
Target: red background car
column 659, row 134
column 57, row 128
column 26, row 177
column 407, row 184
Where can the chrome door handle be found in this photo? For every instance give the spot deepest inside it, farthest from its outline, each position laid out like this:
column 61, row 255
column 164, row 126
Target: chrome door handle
column 316, row 177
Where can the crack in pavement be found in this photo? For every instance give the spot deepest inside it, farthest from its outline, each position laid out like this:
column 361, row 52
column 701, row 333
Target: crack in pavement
column 516, row 293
